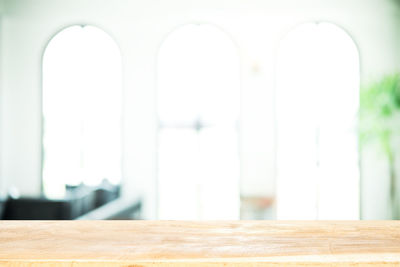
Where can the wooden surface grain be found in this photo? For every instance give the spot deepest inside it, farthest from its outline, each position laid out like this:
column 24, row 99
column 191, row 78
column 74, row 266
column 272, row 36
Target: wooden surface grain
column 180, row 243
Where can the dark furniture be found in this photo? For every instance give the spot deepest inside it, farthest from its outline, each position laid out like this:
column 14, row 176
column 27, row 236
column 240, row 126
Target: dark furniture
column 79, row 201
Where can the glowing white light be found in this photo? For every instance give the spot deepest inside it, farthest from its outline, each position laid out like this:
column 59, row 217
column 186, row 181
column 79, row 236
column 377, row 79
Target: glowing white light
column 81, row 109
column 198, row 82
column 317, row 103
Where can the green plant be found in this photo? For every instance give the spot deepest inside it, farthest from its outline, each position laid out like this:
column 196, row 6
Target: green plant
column 380, row 121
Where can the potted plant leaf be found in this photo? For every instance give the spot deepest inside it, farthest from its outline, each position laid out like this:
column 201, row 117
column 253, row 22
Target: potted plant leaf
column 380, row 122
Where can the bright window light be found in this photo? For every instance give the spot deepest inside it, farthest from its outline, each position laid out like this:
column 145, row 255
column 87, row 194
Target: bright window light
column 198, row 104
column 81, row 110
column 317, row 102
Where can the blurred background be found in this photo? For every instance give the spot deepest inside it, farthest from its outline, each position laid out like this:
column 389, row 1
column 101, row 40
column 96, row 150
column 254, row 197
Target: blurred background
column 200, row 110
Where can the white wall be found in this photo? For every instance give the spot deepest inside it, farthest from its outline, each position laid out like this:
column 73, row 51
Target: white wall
column 2, row 182
column 139, row 28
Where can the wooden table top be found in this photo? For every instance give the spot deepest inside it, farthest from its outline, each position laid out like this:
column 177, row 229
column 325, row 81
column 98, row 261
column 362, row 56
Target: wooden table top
column 185, row 243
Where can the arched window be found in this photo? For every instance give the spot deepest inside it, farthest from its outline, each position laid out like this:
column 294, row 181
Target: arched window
column 198, row 105
column 317, row 101
column 81, row 109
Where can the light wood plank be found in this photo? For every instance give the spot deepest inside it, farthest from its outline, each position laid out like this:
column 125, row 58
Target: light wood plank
column 178, row 243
